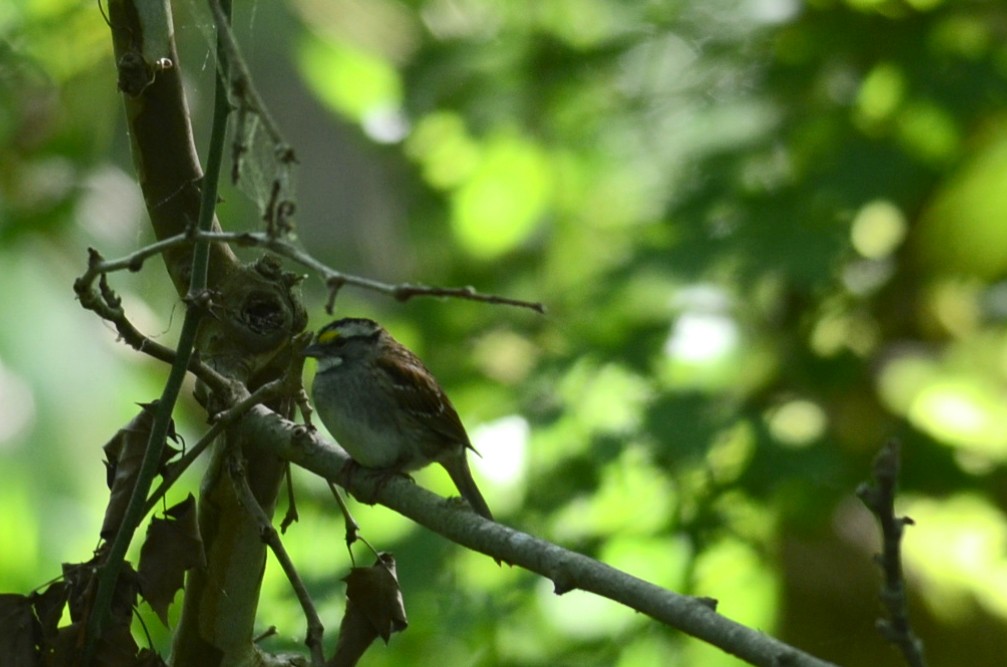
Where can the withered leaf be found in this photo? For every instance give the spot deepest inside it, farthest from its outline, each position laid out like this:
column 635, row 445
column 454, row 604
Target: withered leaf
column 374, row 608
column 151, row 408
column 18, row 630
column 116, row 648
column 49, row 608
column 173, row 545
column 81, row 582
column 123, row 456
column 79, row 579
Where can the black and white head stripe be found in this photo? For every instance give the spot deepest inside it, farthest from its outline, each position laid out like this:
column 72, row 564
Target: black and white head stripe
column 346, row 328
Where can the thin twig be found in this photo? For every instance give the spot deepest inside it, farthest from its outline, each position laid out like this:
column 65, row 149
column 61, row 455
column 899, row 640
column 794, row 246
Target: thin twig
column 313, row 640
column 336, row 279
column 283, row 386
column 132, row 262
column 107, row 305
column 879, row 497
column 278, row 209
column 352, row 527
column 239, row 76
column 111, row 567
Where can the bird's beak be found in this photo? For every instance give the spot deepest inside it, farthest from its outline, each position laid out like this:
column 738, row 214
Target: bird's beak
column 313, row 350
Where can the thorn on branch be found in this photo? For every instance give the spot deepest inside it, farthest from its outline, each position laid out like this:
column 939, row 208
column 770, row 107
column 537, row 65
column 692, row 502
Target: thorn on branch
column 285, row 154
column 238, row 149
column 202, row 300
column 108, row 295
column 562, row 583
column 266, row 634
column 284, row 212
column 135, row 264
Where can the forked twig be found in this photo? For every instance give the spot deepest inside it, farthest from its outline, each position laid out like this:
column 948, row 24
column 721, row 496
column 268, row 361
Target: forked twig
column 108, row 305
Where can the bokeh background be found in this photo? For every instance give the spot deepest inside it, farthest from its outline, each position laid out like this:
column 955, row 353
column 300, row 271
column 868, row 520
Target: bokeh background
column 770, row 234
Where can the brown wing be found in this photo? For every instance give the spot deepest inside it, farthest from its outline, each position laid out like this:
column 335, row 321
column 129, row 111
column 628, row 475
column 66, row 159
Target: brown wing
column 422, row 396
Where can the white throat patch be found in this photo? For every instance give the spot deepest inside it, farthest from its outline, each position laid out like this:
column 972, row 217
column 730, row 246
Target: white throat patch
column 328, row 362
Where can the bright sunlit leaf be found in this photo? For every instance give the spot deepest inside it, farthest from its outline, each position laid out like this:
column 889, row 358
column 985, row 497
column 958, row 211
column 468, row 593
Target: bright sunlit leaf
column 958, row 546
column 878, row 229
column 581, row 615
column 633, row 497
column 929, row 132
column 797, row 423
column 503, row 446
column 733, row 572
column 359, row 85
column 19, row 536
column 505, row 199
column 880, row 93
column 660, row 560
column 445, row 150
column 963, row 412
column 962, row 231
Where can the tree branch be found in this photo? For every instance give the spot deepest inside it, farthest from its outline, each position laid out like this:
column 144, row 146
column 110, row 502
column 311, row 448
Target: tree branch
column 164, row 153
column 335, row 280
column 313, row 640
column 879, row 497
column 107, row 305
column 567, row 570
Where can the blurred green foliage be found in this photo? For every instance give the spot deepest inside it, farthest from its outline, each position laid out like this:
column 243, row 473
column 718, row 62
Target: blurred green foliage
column 770, row 235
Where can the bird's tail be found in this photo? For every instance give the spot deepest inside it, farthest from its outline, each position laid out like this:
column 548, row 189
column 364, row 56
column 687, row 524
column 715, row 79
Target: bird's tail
column 461, row 475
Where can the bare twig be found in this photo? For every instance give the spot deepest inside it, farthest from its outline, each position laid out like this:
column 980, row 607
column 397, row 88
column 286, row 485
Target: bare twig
column 568, row 570
column 879, row 497
column 98, row 265
column 106, row 304
column 278, row 209
column 241, row 402
column 337, row 279
column 313, row 640
column 352, row 527
column 132, row 262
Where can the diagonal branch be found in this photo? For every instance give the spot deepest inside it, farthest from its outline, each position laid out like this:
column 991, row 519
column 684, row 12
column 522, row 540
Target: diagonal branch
column 106, row 304
column 567, row 570
column 236, row 471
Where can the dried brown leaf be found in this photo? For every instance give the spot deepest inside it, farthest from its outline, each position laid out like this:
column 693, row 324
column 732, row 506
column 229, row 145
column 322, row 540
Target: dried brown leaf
column 49, row 608
column 173, row 545
column 123, row 456
column 374, row 608
column 18, row 631
column 116, row 648
column 81, row 581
